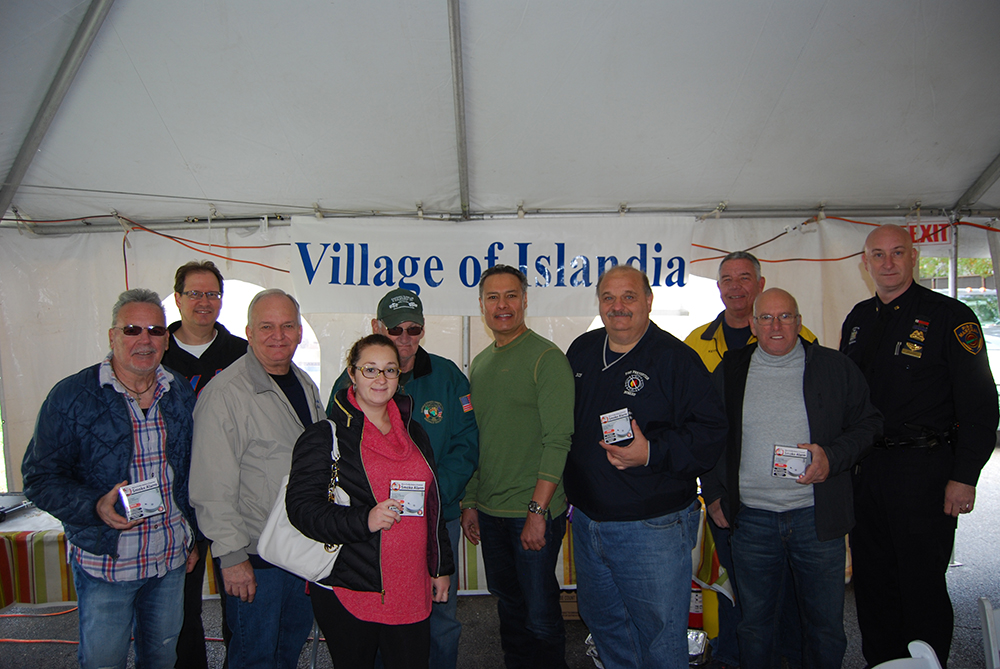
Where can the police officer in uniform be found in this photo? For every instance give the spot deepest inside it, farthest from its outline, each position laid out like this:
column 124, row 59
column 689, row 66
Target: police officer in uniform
column 925, row 361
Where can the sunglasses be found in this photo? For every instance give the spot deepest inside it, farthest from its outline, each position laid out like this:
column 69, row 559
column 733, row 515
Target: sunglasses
column 413, row 330
column 136, row 330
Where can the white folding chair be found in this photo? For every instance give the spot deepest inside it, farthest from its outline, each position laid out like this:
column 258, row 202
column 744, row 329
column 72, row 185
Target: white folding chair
column 922, row 657
column 990, row 646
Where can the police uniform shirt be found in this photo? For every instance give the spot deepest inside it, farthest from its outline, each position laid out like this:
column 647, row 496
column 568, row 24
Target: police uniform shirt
column 928, row 372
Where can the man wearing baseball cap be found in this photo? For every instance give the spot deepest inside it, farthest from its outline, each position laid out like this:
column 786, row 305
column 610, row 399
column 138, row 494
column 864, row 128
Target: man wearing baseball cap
column 443, row 409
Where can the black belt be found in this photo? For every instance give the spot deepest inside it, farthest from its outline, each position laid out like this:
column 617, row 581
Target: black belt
column 923, row 441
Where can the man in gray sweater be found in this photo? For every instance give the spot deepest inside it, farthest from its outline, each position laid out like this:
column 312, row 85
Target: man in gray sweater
column 787, row 392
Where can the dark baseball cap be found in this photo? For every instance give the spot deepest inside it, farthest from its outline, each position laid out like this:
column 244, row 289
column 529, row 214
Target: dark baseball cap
column 399, row 306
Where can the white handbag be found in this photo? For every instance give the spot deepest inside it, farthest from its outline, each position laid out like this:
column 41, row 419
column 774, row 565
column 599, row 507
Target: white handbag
column 284, row 546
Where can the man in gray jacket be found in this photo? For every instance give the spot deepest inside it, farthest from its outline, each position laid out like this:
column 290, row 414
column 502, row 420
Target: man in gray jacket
column 246, row 422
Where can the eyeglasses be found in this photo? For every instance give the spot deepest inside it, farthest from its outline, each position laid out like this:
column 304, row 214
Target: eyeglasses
column 413, row 330
column 784, row 319
column 198, row 294
column 372, row 372
column 136, row 330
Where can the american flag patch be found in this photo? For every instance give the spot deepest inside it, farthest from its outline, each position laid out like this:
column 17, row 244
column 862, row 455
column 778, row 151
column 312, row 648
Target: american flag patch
column 466, row 401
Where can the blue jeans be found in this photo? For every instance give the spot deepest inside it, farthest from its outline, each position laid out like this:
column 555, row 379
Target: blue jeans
column 531, row 625
column 151, row 609
column 445, row 628
column 634, row 586
column 764, row 544
column 271, row 630
column 725, row 647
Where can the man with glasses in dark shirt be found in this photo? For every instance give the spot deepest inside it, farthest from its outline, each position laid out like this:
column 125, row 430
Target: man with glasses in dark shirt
column 200, row 347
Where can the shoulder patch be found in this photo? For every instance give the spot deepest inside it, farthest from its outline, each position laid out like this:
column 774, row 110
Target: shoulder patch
column 466, row 401
column 970, row 337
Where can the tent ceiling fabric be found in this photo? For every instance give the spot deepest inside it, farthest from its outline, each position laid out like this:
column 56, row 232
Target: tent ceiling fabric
column 260, row 107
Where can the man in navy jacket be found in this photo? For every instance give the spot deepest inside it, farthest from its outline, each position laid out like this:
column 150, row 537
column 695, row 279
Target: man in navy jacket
column 123, row 421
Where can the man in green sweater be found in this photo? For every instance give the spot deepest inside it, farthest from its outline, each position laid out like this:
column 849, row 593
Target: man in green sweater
column 522, row 389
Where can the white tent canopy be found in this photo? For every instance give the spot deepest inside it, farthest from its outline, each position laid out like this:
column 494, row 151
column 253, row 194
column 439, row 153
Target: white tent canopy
column 257, row 107
column 186, row 114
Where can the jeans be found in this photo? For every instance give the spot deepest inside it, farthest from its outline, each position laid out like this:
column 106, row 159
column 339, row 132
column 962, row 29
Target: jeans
column 634, row 586
column 764, row 544
column 445, row 628
column 725, row 647
column 151, row 609
column 271, row 630
column 531, row 625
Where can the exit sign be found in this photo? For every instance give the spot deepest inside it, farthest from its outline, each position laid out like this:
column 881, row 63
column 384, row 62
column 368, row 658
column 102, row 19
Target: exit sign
column 930, row 234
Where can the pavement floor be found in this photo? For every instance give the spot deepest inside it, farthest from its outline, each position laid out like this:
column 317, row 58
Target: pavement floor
column 976, row 573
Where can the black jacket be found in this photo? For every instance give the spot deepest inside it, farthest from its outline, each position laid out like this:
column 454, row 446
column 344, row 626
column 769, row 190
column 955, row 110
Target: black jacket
column 842, row 420
column 226, row 349
column 669, row 392
column 358, row 567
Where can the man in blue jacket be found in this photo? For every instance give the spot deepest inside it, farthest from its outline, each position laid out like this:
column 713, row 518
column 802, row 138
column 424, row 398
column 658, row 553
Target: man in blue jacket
column 633, row 485
column 122, row 421
column 442, row 407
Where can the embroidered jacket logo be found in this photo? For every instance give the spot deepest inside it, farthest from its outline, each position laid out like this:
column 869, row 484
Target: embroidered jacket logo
column 634, row 382
column 433, row 412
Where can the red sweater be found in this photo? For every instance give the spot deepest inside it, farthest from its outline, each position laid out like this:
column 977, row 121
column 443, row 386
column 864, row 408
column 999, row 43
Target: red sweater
column 407, row 584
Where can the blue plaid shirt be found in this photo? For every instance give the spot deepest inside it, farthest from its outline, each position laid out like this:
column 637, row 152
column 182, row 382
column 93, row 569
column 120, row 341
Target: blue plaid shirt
column 160, row 543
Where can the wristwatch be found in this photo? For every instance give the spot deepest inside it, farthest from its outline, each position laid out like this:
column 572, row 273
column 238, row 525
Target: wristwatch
column 535, row 507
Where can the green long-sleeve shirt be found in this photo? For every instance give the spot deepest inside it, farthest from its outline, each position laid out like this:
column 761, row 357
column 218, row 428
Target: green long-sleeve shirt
column 523, row 397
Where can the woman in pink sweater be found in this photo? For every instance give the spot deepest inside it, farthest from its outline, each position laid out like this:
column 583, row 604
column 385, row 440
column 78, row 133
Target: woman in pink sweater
column 396, row 555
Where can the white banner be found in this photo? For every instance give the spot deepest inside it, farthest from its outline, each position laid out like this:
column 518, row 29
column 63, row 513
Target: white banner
column 347, row 265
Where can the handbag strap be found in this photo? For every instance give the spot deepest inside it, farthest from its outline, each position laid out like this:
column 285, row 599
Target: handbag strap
column 335, row 467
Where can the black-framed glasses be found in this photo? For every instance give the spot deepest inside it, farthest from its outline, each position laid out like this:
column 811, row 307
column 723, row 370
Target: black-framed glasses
column 198, row 294
column 413, row 330
column 784, row 319
column 136, row 330
column 372, row 372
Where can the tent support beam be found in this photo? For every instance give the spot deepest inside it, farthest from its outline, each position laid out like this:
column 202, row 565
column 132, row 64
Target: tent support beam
column 70, row 65
column 985, row 181
column 458, row 87
column 253, row 221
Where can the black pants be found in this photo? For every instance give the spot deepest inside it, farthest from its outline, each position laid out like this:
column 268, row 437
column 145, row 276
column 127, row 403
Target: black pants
column 353, row 642
column 900, row 549
column 191, row 653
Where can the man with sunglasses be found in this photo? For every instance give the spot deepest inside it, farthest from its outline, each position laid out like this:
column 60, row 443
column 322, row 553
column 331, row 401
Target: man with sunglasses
column 200, row 347
column 440, row 395
column 122, row 421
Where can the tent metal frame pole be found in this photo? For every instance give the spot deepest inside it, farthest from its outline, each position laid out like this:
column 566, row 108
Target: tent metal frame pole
column 953, row 261
column 466, row 344
column 993, row 239
column 68, row 68
column 283, row 220
column 985, row 181
column 458, row 87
